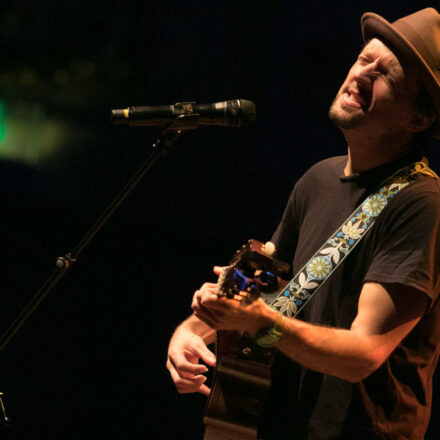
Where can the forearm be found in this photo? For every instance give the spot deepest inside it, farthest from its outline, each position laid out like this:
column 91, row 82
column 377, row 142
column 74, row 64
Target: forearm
column 337, row 352
column 333, row 351
column 198, row 327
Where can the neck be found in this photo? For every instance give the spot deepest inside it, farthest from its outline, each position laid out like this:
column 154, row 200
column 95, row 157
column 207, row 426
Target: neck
column 368, row 152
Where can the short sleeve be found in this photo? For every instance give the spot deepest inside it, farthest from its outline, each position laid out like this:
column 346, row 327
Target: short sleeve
column 407, row 239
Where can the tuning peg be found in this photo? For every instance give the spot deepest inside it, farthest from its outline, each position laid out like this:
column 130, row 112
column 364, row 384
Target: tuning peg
column 268, row 248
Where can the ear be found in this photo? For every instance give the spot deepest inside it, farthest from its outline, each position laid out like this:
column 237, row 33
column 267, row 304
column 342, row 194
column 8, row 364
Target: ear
column 420, row 122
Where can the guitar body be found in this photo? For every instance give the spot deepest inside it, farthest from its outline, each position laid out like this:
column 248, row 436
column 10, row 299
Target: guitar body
column 243, row 373
column 241, row 382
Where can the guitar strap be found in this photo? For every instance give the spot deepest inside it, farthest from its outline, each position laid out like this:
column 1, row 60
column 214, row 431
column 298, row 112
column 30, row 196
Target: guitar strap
column 333, row 252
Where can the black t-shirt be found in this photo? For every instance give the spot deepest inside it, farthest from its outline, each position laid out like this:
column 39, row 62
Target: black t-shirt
column 402, row 247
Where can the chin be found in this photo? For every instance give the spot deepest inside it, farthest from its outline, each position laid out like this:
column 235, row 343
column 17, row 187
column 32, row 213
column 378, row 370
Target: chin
column 343, row 118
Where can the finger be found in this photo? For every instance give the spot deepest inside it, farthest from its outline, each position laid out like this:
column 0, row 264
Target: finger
column 210, row 296
column 184, row 385
column 191, row 385
column 206, row 291
column 243, row 298
column 204, row 390
column 215, row 304
column 203, row 295
column 182, row 373
column 205, row 288
column 179, row 380
column 198, row 305
column 196, row 299
column 177, row 374
column 179, row 362
column 206, row 355
column 208, row 288
column 201, row 388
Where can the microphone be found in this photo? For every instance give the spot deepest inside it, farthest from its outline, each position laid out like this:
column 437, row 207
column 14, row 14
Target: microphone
column 235, row 113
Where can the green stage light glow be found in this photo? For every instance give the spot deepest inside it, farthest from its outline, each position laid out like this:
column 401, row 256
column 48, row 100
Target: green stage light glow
column 2, row 121
column 28, row 135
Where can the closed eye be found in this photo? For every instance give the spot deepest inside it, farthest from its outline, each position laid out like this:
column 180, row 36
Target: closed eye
column 363, row 59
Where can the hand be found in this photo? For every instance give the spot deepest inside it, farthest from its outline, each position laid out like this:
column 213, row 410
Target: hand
column 222, row 313
column 184, row 352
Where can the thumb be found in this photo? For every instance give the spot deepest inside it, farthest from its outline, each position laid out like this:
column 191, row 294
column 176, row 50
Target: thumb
column 217, row 270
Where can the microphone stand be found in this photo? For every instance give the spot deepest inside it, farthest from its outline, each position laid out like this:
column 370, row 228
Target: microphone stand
column 164, row 144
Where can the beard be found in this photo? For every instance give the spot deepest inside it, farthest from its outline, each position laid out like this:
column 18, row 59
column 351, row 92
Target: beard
column 342, row 118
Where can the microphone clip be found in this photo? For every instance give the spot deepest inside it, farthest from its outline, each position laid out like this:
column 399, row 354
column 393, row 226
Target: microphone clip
column 172, row 130
column 188, row 121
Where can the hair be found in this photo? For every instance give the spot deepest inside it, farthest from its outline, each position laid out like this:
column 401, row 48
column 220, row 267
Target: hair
column 425, row 105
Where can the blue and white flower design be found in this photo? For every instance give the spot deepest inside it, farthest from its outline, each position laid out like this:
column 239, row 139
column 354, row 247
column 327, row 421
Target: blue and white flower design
column 286, row 305
column 374, row 204
column 319, row 267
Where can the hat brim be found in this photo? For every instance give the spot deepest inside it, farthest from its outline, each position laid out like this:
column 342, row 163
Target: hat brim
column 375, row 26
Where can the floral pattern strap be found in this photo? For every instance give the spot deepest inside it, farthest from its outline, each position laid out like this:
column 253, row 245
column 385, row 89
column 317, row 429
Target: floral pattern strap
column 317, row 270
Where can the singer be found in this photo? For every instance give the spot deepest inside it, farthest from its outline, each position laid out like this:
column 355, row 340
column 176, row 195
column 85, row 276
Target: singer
column 358, row 361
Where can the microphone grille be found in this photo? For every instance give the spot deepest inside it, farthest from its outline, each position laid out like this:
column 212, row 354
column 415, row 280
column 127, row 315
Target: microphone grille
column 246, row 113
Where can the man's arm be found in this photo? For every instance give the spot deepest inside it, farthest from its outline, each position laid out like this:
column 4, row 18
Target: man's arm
column 187, row 346
column 386, row 314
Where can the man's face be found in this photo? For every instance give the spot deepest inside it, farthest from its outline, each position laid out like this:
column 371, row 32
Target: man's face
column 377, row 93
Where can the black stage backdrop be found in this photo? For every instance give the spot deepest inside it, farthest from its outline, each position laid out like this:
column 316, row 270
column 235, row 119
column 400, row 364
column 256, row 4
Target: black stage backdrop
column 90, row 363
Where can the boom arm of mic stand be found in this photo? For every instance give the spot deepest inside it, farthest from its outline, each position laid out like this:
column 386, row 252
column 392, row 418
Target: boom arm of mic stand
column 162, row 146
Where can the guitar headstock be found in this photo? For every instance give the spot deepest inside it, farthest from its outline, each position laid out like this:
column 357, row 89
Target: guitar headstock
column 252, row 270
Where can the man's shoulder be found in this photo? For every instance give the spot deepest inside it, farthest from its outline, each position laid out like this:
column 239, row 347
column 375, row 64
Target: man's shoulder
column 425, row 192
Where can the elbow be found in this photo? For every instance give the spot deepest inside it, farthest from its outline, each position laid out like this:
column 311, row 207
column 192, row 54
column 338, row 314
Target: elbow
column 358, row 376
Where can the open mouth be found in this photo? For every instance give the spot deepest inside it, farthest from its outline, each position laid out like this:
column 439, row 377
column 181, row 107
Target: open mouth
column 357, row 99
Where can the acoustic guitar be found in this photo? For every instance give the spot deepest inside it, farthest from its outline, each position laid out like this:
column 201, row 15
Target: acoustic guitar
column 243, row 373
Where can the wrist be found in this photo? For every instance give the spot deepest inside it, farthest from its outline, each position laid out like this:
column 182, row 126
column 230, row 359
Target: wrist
column 195, row 326
column 265, row 319
column 270, row 336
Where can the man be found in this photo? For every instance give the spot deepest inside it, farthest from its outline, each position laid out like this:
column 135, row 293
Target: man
column 359, row 362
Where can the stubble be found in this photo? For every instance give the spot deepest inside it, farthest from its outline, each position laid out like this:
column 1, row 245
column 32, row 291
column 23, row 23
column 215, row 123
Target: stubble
column 342, row 118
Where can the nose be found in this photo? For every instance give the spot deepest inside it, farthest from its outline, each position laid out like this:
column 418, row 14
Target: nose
column 366, row 74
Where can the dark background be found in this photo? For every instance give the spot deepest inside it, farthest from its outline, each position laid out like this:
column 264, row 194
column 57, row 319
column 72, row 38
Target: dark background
column 90, row 363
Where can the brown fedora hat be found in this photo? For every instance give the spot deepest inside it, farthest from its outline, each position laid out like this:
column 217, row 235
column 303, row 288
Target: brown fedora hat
column 416, row 37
